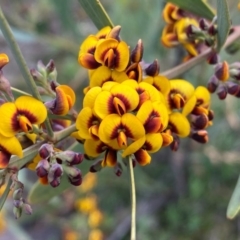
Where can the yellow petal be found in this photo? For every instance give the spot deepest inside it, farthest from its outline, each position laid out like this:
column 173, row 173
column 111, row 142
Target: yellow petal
column 100, row 76
column 179, row 124
column 94, row 148
column 153, row 142
column 69, row 92
column 102, row 33
column 134, row 146
column 32, row 108
column 90, row 97
column 142, row 157
column 110, row 159
column 3, row 60
column 11, row 145
column 8, row 124
column 85, row 120
column 203, row 96
column 189, row 106
column 123, row 56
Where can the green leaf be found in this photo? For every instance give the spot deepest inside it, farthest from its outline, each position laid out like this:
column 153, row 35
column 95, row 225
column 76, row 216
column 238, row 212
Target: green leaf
column 96, row 12
column 234, row 204
column 198, row 7
column 223, row 23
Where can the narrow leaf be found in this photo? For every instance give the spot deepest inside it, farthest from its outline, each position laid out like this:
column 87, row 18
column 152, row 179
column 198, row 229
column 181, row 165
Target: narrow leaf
column 96, row 12
column 234, row 204
column 223, row 23
column 198, row 7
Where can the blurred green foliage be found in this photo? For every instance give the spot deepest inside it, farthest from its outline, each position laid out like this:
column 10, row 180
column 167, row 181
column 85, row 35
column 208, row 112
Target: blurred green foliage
column 182, row 195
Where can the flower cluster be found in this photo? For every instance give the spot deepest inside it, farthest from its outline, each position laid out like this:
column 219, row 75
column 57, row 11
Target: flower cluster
column 186, row 30
column 129, row 108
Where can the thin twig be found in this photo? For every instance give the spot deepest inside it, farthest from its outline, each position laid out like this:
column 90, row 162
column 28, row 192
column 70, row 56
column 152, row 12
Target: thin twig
column 7, row 33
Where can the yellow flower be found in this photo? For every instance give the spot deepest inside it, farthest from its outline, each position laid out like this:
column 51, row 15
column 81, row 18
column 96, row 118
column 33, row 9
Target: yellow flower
column 90, row 181
column 95, row 218
column 21, row 115
column 64, row 101
column 96, row 234
column 3, row 60
column 87, row 204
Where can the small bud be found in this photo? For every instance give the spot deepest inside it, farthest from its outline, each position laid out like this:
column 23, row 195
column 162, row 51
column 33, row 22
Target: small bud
column 118, row 169
column 232, row 88
column 5, row 85
column 175, row 143
column 51, row 71
column 41, row 68
column 200, row 136
column 137, row 52
column 27, row 209
column 46, row 150
column 213, row 58
column 70, row 157
column 212, row 84
column 55, row 182
column 17, row 203
column 209, row 41
column 235, row 73
column 57, row 170
column 222, row 71
column 17, row 212
column 114, row 33
column 203, row 24
column 37, row 76
column 192, row 30
column 42, row 168
column 17, row 194
column 96, row 167
column 212, row 30
column 200, row 121
column 222, row 92
column 210, row 115
column 153, row 69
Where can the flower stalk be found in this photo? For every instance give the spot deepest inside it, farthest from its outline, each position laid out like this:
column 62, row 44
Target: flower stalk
column 133, row 199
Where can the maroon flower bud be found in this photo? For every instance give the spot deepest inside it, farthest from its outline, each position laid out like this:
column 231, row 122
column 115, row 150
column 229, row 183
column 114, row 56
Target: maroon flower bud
column 70, row 157
column 212, row 30
column 192, row 31
column 74, row 175
column 200, row 121
column 55, row 182
column 203, row 24
column 118, row 169
column 153, row 69
column 212, row 84
column 200, row 136
column 175, row 143
column 213, row 58
column 232, row 88
column 222, row 92
column 235, row 73
column 137, row 52
column 210, row 115
column 51, row 71
column 96, row 167
column 42, row 168
column 57, row 170
column 209, row 41
column 46, row 150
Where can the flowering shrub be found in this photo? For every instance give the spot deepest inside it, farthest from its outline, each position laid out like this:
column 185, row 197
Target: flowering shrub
column 130, row 108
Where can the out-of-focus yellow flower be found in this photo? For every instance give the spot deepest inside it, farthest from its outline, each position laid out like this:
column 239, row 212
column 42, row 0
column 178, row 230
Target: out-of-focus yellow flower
column 87, row 204
column 3, row 224
column 96, row 234
column 71, row 235
column 90, row 181
column 95, row 218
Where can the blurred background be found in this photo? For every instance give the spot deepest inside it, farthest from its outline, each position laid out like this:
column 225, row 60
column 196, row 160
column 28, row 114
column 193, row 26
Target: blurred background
column 180, row 196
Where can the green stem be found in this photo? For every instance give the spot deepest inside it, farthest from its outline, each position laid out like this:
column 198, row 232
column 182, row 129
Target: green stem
column 7, row 33
column 5, row 194
column 20, row 91
column 133, row 200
